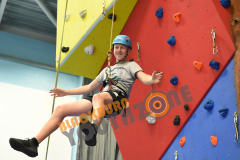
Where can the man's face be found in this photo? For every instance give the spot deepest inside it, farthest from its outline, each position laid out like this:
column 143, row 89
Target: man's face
column 120, row 51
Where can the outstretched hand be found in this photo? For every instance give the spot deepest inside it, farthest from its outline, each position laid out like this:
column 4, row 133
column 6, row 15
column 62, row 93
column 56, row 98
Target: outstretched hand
column 157, row 76
column 58, row 92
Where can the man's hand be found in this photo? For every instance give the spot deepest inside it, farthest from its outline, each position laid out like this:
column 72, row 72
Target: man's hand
column 156, row 77
column 58, row 92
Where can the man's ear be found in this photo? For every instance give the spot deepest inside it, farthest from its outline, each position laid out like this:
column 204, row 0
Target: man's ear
column 129, row 50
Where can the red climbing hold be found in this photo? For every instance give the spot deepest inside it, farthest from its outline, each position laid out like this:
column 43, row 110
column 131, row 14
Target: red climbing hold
column 214, row 140
column 182, row 141
column 176, row 17
column 198, row 65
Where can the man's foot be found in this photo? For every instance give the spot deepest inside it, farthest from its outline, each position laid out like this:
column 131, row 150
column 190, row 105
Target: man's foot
column 29, row 146
column 93, row 140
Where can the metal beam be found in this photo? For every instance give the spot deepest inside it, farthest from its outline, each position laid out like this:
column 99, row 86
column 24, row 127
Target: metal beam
column 2, row 8
column 23, row 61
column 28, row 33
column 47, row 12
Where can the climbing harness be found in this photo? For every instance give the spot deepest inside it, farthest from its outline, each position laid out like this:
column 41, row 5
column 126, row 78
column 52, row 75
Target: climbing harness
column 138, row 45
column 103, row 13
column 235, row 122
column 215, row 50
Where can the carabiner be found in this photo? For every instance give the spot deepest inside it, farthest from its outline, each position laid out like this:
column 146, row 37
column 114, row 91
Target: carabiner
column 215, row 50
column 235, row 123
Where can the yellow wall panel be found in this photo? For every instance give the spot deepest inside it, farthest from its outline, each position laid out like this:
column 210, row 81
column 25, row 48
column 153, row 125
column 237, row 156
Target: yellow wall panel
column 80, row 33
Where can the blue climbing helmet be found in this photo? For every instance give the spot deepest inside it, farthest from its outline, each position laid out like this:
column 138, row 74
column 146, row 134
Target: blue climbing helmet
column 123, row 39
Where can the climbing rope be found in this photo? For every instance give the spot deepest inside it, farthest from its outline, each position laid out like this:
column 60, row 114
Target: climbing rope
column 110, row 52
column 58, row 64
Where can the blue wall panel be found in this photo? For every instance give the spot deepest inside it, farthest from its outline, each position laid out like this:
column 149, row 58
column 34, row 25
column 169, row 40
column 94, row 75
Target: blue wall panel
column 27, row 48
column 203, row 124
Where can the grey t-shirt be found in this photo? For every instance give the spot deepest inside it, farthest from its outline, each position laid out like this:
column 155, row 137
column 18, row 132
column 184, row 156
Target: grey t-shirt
column 124, row 73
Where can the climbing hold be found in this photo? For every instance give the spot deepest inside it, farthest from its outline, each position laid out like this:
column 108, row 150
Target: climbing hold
column 225, row 3
column 89, row 50
column 182, row 141
column 171, row 41
column 214, row 64
column 130, row 60
column 176, row 120
column 223, row 111
column 214, row 140
column 110, row 17
column 174, row 80
column 209, row 105
column 66, row 17
column 151, row 119
column 159, row 13
column 186, row 106
column 176, row 17
column 83, row 13
column 198, row 65
column 65, row 49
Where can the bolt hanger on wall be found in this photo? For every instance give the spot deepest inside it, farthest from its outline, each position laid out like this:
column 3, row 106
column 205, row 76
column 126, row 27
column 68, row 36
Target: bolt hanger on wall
column 235, row 123
column 103, row 13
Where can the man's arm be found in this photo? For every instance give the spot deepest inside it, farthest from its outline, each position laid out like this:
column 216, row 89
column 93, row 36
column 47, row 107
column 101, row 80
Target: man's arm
column 145, row 78
column 84, row 89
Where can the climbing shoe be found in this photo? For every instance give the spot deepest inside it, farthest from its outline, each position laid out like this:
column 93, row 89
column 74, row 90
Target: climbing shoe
column 93, row 140
column 28, row 146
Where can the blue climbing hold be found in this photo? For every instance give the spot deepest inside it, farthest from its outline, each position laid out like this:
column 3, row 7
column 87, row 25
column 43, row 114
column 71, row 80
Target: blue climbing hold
column 214, row 64
column 159, row 13
column 225, row 3
column 223, row 111
column 174, row 80
column 209, row 105
column 171, row 41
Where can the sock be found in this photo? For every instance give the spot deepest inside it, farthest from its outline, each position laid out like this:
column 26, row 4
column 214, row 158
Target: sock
column 34, row 140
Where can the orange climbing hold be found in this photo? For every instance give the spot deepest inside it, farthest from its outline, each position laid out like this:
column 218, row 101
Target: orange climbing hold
column 176, row 17
column 214, row 140
column 182, row 141
column 198, row 65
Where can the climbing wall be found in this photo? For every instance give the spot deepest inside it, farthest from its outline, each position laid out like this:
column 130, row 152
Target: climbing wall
column 204, row 124
column 140, row 140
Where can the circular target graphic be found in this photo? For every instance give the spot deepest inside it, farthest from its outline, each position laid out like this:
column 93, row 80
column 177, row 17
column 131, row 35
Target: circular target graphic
column 157, row 104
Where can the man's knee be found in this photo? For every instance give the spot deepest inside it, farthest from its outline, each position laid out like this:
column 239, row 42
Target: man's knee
column 59, row 110
column 97, row 97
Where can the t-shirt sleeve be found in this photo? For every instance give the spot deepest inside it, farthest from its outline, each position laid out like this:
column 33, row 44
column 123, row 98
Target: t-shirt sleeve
column 101, row 77
column 134, row 68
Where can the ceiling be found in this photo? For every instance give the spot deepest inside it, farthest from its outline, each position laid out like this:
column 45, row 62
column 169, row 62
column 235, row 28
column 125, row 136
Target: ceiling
column 26, row 18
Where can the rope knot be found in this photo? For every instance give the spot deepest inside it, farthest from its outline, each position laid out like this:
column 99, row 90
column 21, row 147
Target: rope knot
column 110, row 55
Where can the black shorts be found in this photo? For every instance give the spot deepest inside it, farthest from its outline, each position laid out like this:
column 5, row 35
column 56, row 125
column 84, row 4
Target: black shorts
column 118, row 98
